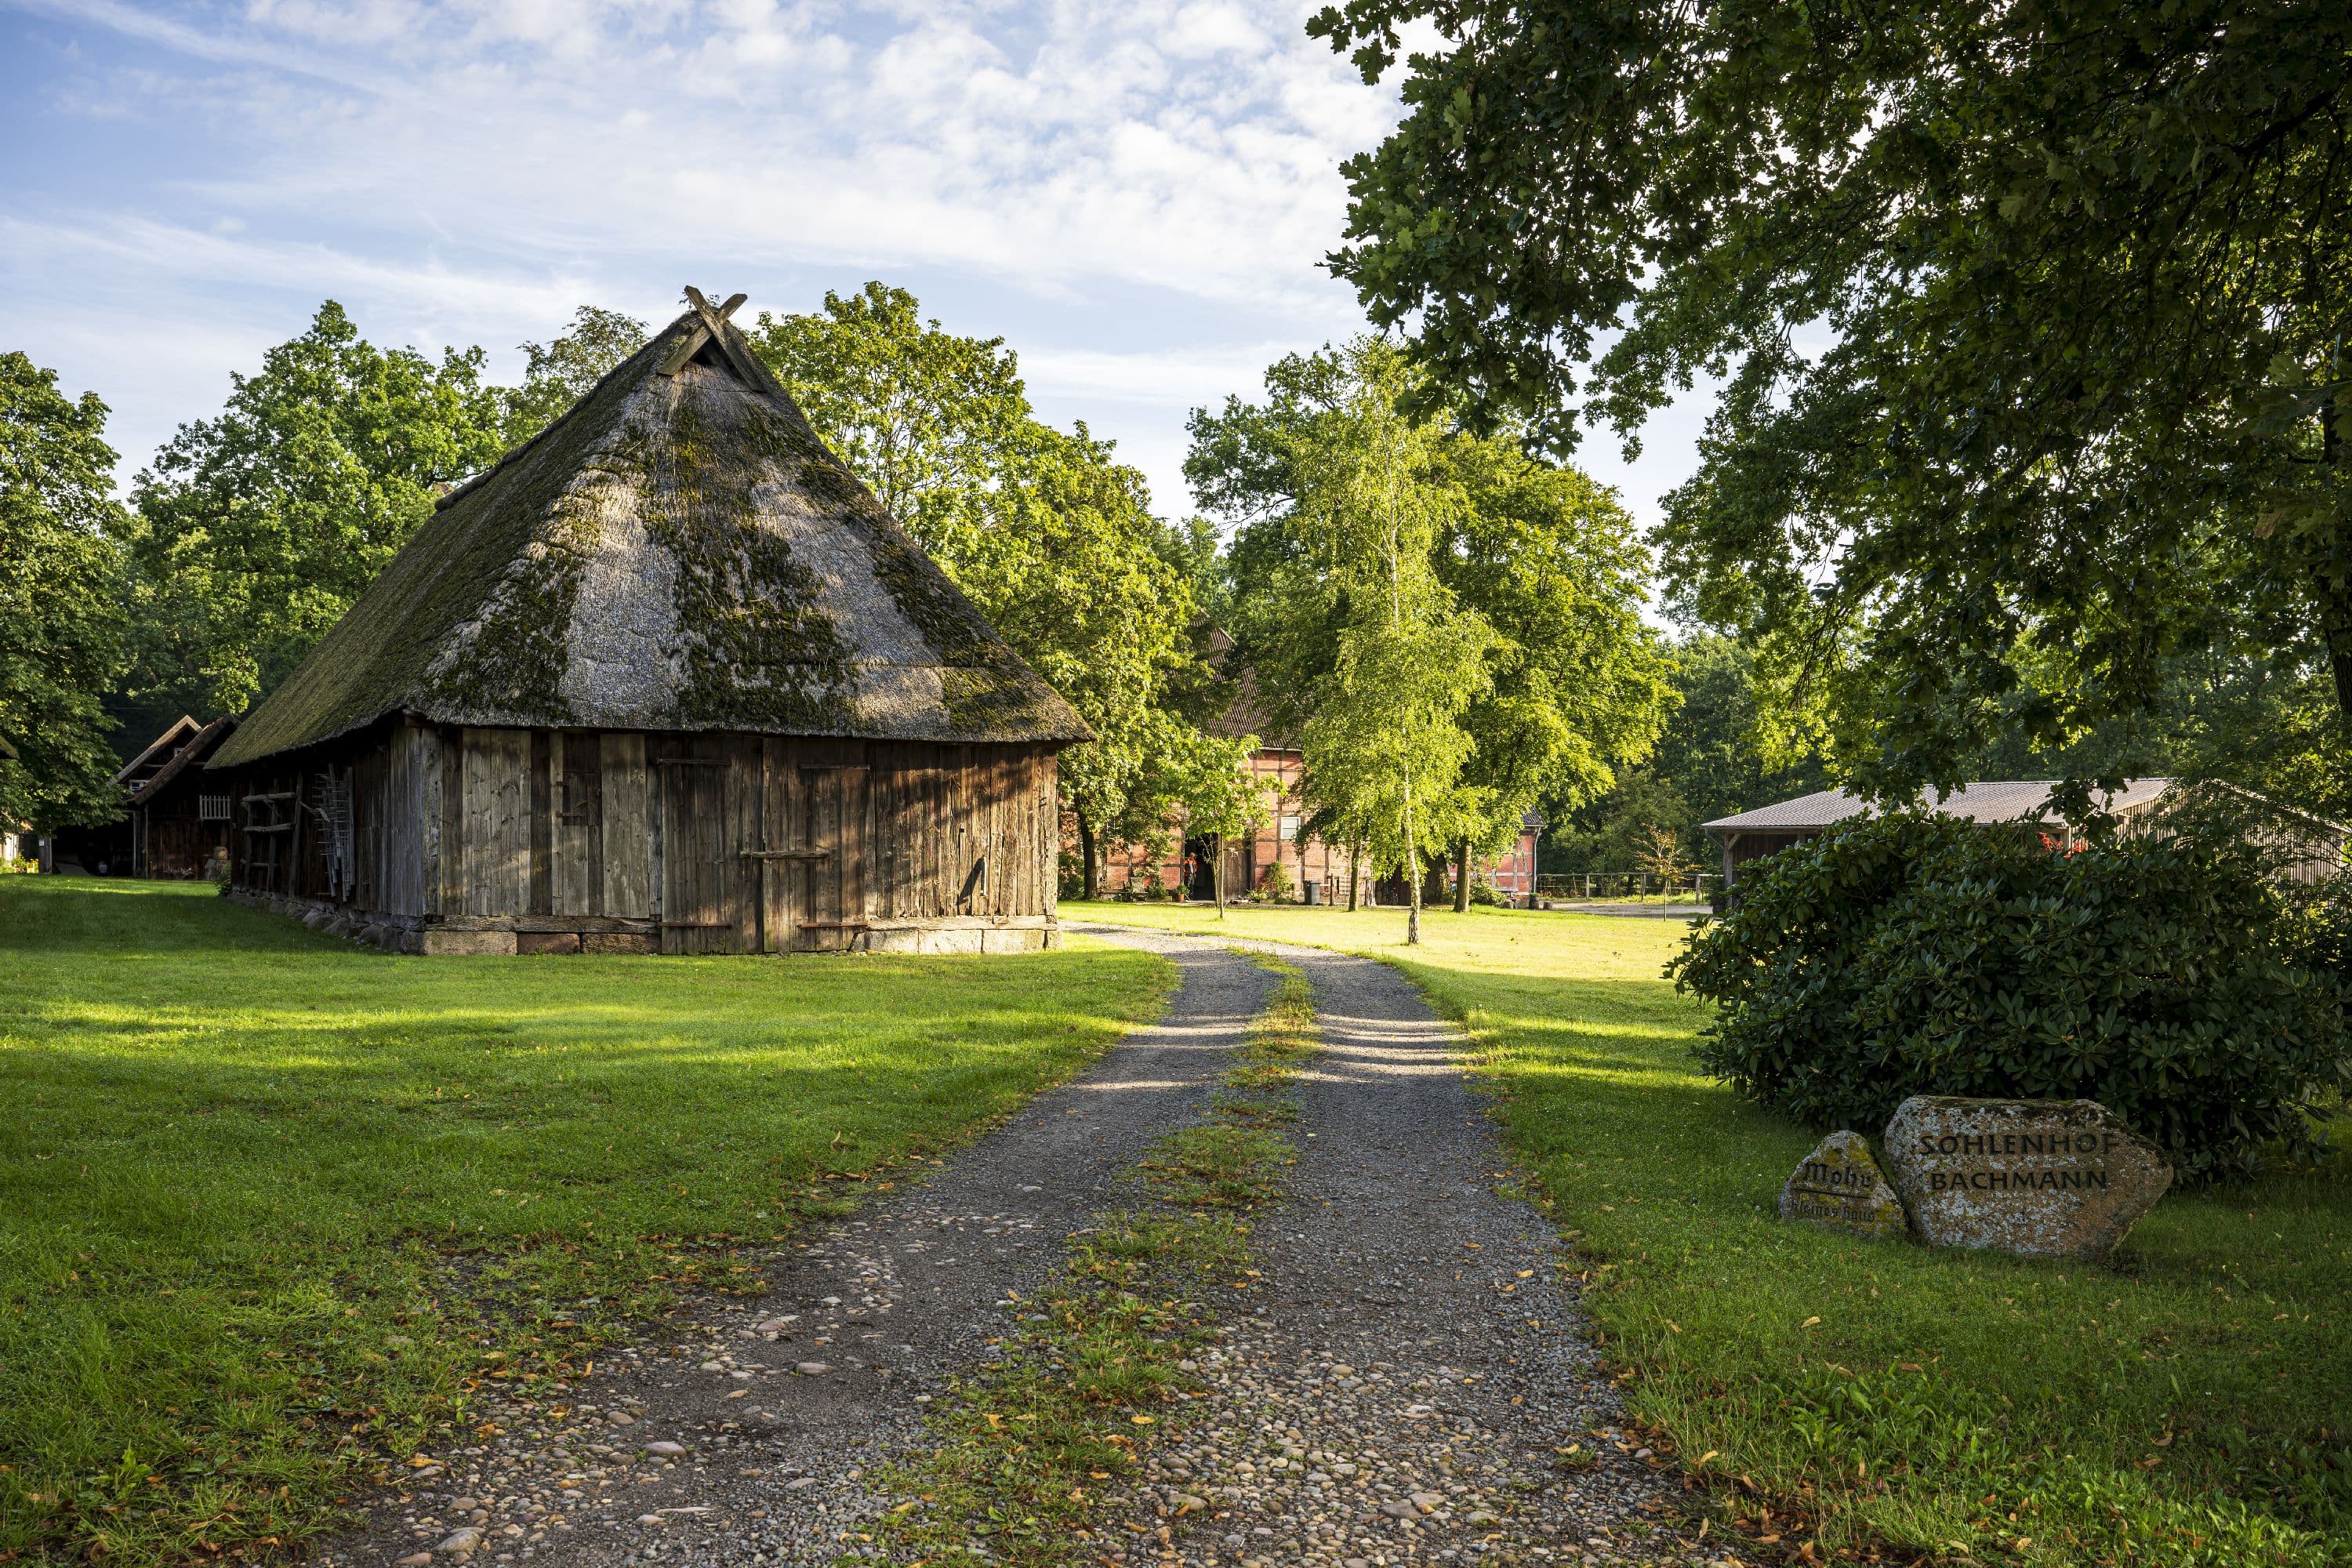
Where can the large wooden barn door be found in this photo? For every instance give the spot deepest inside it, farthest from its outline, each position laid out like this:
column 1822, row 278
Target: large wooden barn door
column 836, row 874
column 814, row 870
column 780, row 857
column 698, row 857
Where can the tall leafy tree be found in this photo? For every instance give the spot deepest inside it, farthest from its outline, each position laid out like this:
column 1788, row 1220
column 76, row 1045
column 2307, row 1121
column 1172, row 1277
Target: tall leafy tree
column 2030, row 314
column 1357, row 636
column 1571, row 683
column 559, row 373
column 933, row 423
column 257, row 529
column 1050, row 534
column 1576, row 682
column 62, row 628
column 1072, row 572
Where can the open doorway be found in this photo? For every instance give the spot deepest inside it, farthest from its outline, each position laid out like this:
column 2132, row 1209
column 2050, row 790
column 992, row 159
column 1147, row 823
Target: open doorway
column 1200, row 870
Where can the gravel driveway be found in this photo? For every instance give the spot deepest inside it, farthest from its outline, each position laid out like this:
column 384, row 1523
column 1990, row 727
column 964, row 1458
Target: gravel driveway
column 1415, row 1366
column 1400, row 1386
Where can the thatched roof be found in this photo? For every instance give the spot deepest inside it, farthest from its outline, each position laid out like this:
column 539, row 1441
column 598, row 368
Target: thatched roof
column 679, row 551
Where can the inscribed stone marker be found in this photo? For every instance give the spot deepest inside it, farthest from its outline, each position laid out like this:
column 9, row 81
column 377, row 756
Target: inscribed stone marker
column 1839, row 1184
column 2042, row 1178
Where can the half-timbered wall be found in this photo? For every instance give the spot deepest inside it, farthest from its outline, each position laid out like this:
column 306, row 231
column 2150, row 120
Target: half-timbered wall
column 501, row 840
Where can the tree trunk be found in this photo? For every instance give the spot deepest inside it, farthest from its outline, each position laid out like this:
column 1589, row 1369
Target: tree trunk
column 2331, row 582
column 1412, row 915
column 2336, row 610
column 1412, row 870
column 1355, row 872
column 1090, row 868
column 1462, row 876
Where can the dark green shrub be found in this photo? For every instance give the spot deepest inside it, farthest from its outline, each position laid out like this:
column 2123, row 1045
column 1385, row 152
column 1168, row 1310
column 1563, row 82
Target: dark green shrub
column 2166, row 977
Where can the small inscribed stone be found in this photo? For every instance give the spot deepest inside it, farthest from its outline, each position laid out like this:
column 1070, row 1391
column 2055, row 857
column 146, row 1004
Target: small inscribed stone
column 1839, row 1184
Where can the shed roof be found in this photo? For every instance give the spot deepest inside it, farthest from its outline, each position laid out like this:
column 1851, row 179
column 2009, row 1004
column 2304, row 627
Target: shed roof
column 679, row 551
column 190, row 751
column 1992, row 800
column 156, row 752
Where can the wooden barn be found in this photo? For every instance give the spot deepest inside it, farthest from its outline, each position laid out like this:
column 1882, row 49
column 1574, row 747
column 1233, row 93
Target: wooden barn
column 179, row 818
column 666, row 678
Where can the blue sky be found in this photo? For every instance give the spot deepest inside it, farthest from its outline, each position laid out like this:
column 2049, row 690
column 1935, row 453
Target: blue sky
column 1137, row 197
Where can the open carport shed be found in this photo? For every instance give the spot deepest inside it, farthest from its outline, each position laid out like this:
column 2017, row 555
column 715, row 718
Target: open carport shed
column 1751, row 834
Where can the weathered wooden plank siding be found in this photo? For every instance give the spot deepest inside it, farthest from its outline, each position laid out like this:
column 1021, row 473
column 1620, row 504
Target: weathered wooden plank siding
column 541, row 824
column 424, row 764
column 783, row 828
column 1049, row 827
column 626, row 860
column 409, row 819
column 744, row 805
column 571, row 810
column 453, row 821
column 718, row 843
column 497, row 811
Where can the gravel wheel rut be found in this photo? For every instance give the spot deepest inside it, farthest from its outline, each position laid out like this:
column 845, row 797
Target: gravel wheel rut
column 1409, row 1381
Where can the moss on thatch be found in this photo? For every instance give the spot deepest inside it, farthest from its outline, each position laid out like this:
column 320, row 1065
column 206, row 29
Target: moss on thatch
column 676, row 553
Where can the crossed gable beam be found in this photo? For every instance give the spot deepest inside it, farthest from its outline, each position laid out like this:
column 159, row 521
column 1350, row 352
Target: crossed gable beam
column 711, row 329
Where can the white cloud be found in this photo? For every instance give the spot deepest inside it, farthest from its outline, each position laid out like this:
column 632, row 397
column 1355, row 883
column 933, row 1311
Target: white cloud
column 474, row 168
column 1071, row 146
column 1189, row 377
column 1139, row 195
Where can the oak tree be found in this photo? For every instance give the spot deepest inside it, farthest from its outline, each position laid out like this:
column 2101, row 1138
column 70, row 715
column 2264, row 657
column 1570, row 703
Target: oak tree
column 257, row 529
column 560, row 372
column 2029, row 318
column 62, row 628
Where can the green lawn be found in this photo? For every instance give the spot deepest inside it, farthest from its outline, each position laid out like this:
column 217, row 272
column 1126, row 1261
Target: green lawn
column 272, row 1205
column 2186, row 1403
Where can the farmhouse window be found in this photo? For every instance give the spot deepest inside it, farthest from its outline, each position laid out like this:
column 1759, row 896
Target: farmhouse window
column 212, row 808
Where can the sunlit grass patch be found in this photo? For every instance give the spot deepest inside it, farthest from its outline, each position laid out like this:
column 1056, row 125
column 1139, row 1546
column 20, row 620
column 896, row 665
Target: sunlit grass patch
column 274, row 1208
